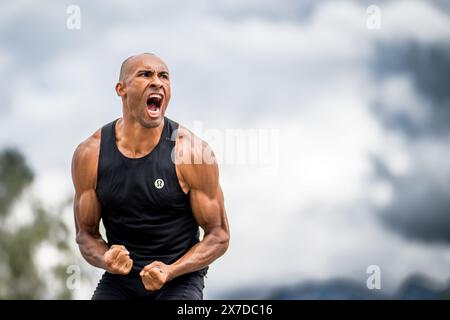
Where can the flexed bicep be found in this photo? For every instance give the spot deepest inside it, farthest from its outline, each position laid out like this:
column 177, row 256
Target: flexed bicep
column 87, row 209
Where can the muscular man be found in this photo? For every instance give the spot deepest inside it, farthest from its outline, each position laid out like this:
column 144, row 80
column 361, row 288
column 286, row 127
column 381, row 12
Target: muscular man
column 153, row 183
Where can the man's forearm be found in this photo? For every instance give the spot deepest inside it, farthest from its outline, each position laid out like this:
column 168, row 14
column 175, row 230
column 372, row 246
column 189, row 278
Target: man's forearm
column 211, row 247
column 92, row 249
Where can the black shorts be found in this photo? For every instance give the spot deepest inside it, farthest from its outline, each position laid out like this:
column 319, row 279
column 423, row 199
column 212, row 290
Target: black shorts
column 117, row 287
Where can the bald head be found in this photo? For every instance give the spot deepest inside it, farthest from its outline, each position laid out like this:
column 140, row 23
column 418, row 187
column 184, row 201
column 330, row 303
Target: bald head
column 140, row 77
column 128, row 61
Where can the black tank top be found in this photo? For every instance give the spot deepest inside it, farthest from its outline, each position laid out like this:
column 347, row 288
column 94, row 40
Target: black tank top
column 143, row 205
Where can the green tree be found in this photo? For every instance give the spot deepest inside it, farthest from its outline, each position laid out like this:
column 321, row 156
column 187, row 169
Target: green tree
column 19, row 273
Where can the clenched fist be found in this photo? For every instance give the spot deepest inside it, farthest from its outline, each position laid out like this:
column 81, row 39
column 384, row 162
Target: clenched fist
column 117, row 260
column 155, row 275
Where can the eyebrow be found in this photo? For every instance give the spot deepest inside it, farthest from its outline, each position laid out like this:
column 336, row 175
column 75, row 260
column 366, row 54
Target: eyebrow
column 151, row 70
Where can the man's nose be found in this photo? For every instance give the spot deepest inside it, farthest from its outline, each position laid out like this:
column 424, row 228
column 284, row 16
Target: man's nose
column 156, row 82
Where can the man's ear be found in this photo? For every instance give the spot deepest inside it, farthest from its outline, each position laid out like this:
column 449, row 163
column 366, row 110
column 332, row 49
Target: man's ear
column 120, row 89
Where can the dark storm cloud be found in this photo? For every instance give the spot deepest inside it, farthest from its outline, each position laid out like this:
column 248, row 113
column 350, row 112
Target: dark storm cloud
column 428, row 66
column 420, row 207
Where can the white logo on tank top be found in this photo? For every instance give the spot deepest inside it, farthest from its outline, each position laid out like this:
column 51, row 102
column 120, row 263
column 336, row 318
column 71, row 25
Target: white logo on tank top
column 159, row 183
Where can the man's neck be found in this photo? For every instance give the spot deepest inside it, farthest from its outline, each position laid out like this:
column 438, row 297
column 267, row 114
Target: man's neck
column 135, row 139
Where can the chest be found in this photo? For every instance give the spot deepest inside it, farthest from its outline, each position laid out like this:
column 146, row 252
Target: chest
column 148, row 184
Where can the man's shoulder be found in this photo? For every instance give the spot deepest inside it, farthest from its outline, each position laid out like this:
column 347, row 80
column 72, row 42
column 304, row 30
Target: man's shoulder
column 190, row 140
column 88, row 149
column 84, row 162
column 184, row 133
column 193, row 149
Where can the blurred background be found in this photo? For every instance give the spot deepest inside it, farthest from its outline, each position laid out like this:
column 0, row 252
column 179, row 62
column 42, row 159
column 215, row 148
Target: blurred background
column 330, row 120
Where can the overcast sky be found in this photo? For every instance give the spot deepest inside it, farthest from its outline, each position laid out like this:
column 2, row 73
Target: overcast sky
column 355, row 121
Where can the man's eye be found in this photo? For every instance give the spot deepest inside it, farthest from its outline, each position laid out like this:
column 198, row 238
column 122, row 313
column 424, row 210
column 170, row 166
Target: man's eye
column 146, row 74
column 164, row 76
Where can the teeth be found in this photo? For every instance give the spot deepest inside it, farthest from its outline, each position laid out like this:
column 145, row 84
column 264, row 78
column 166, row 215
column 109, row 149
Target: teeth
column 155, row 96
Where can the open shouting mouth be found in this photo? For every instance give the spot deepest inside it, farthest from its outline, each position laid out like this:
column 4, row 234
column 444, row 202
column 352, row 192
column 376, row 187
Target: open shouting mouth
column 154, row 102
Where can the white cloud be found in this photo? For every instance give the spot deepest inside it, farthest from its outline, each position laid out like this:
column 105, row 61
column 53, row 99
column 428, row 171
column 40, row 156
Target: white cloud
column 414, row 20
